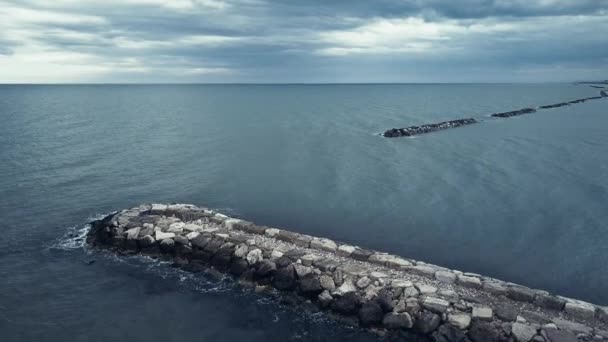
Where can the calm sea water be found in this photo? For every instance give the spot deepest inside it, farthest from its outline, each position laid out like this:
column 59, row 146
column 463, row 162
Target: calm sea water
column 522, row 199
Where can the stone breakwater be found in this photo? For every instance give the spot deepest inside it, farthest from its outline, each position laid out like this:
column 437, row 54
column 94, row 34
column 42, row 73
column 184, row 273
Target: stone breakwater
column 394, row 296
column 415, row 130
column 428, row 128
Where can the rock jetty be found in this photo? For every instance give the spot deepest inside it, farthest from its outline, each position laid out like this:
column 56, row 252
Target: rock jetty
column 514, row 113
column 394, row 296
column 416, row 130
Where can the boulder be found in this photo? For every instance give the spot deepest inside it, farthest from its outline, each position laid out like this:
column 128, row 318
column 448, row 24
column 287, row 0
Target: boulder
column 495, row 287
column 146, row 242
column 346, row 304
column 507, row 313
column 361, row 254
column 482, row 313
column 265, row 268
column 560, row 336
column 323, row 244
column 459, row 320
column 254, row 256
column 324, row 299
column 327, row 283
column 238, row 266
column 162, row 236
column 310, row 285
column 485, row 332
column 167, row 245
column 436, row 305
column 370, row 314
column 182, row 240
column 345, row 250
column 426, row 322
column 284, row 279
column 470, row 282
column 200, row 241
column 301, row 270
column 398, row 321
column 346, row 287
column 521, row 293
column 445, row 277
column 426, row 289
column 449, row 333
column 410, row 291
column 363, row 282
column 580, row 310
column 523, row 332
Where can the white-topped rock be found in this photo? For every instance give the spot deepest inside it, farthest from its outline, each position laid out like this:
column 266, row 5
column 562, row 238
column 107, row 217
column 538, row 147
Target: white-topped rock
column 272, row 232
column 445, row 277
column 161, row 235
column 435, row 304
column 191, row 227
column 523, row 332
column 346, row 287
column 482, row 313
column 323, row 244
column 426, row 289
column 459, row 320
column 254, row 256
column 471, row 282
column 132, row 233
column 192, row 235
column 345, row 250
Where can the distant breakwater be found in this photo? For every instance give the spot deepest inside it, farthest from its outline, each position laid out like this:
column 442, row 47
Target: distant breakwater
column 428, row 128
column 391, row 295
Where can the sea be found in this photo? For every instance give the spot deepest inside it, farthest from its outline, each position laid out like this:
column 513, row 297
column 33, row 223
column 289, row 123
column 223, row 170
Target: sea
column 522, row 199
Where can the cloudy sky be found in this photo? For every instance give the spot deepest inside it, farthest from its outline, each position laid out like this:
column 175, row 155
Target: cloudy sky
column 291, row 41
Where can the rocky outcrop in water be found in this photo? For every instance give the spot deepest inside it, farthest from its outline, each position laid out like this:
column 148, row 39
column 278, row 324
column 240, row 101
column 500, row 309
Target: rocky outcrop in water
column 416, row 130
column 557, row 105
column 514, row 113
column 389, row 294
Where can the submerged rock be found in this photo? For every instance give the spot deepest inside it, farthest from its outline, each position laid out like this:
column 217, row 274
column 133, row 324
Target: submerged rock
column 415, row 130
column 514, row 113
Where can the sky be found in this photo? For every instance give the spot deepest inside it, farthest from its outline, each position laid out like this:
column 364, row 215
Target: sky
column 308, row 41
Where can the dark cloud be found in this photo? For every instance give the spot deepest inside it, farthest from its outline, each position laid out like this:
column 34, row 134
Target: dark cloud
column 304, row 41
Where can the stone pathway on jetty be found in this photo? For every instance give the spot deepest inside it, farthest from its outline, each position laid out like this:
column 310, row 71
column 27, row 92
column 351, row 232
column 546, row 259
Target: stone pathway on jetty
column 394, row 296
column 428, row 128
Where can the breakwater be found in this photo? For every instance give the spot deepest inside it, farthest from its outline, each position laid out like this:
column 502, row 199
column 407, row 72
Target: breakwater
column 393, row 295
column 428, row 128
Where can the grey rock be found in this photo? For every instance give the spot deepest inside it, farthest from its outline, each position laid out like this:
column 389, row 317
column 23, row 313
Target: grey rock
column 346, row 304
column 254, row 256
column 494, row 287
column 345, row 250
column 361, row 254
column 449, row 333
column 485, row 332
column 302, row 270
column 182, row 240
column 580, row 310
column 445, row 277
column 560, row 336
column 459, row 320
column 284, row 279
column 572, row 326
column 523, row 332
column 323, row 244
column 325, row 299
column 265, row 268
column 521, row 293
column 327, row 283
column 326, row 264
column 146, row 241
column 167, row 245
column 398, row 321
column 363, row 282
column 410, row 292
column 506, row 312
column 482, row 313
column 310, row 285
column 200, row 241
column 434, row 304
column 470, row 282
column 548, row 301
column 426, row 322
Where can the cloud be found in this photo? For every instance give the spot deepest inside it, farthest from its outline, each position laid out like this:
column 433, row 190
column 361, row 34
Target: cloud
column 302, row 41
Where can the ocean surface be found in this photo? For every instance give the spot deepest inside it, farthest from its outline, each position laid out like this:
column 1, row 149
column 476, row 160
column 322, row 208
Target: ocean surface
column 522, row 199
